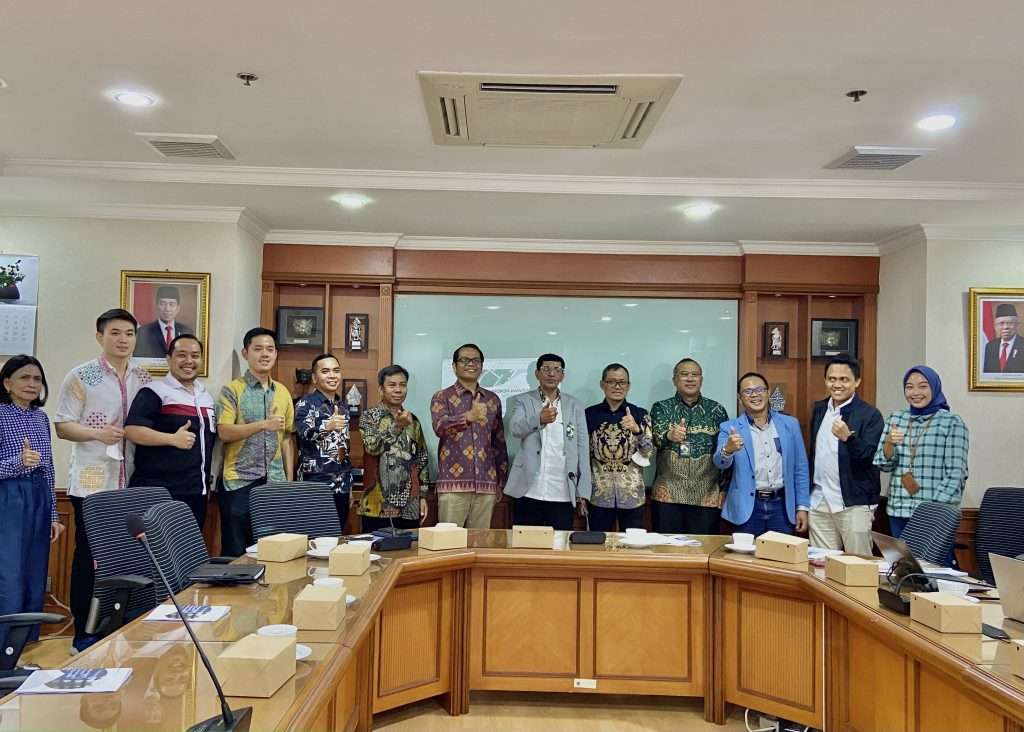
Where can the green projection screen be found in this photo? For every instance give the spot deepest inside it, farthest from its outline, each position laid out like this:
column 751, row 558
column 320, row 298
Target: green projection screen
column 648, row 336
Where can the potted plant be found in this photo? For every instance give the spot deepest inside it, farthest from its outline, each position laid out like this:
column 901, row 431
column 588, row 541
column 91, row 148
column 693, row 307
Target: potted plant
column 10, row 276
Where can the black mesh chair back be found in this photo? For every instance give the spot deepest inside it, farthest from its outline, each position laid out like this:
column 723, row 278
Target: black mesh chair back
column 114, row 551
column 1000, row 527
column 176, row 542
column 293, row 507
column 931, row 531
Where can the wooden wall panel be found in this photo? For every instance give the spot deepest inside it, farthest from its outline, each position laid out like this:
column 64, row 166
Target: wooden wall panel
column 346, row 700
column 660, row 642
column 942, row 704
column 414, row 643
column 878, row 684
column 299, row 262
column 789, row 273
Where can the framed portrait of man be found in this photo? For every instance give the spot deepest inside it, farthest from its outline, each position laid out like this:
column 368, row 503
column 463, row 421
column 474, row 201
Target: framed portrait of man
column 167, row 305
column 996, row 340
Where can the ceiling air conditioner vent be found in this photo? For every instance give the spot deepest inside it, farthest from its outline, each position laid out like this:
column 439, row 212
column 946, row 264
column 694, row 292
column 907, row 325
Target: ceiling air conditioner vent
column 173, row 145
column 875, row 157
column 545, row 111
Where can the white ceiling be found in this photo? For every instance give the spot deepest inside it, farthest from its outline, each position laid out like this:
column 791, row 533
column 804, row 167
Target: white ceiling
column 761, row 109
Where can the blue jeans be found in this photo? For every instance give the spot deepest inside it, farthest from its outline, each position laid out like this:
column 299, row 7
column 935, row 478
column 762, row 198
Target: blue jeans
column 897, row 524
column 767, row 516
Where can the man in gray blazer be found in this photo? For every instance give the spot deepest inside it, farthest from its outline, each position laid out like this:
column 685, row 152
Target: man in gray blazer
column 550, row 475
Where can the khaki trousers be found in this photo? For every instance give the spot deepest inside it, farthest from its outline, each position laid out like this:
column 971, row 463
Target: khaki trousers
column 472, row 510
column 849, row 529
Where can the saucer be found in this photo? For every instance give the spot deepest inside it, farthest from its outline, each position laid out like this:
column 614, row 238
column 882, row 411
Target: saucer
column 317, row 555
column 302, row 651
column 349, row 599
column 741, row 549
column 375, row 557
column 277, row 630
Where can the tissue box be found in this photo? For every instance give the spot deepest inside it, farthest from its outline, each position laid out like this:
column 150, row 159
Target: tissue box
column 533, row 537
column 281, row 547
column 256, row 665
column 781, row 547
column 1017, row 657
column 443, row 536
column 945, row 612
column 852, row 571
column 319, row 607
column 279, row 573
column 349, row 559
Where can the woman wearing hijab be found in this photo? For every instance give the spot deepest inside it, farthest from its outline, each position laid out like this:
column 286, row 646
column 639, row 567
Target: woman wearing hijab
column 923, row 448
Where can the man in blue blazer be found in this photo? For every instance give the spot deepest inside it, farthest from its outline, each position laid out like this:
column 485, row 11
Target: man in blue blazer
column 550, row 476
column 769, row 490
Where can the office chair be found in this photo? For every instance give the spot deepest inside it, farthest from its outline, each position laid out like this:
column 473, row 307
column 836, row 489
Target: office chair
column 19, row 628
column 124, row 586
column 176, row 542
column 1000, row 527
column 931, row 531
column 293, row 507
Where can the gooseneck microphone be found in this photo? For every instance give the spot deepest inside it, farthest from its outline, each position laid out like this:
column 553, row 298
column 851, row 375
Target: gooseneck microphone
column 228, row 721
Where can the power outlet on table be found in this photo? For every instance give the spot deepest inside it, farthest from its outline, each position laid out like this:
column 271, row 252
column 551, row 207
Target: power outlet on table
column 584, row 683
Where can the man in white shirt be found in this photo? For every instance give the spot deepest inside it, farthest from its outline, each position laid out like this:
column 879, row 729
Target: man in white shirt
column 845, row 431
column 550, row 476
column 91, row 409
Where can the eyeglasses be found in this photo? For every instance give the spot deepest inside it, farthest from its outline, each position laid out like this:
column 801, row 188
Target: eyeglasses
column 552, row 370
column 617, row 383
column 471, row 361
column 753, row 391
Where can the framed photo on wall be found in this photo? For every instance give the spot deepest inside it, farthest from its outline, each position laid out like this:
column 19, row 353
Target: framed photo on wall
column 997, row 348
column 353, row 392
column 357, row 332
column 833, row 338
column 167, row 305
column 775, row 340
column 300, row 326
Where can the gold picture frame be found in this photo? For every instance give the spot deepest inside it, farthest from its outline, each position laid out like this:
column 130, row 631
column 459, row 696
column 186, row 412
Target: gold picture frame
column 141, row 292
column 992, row 366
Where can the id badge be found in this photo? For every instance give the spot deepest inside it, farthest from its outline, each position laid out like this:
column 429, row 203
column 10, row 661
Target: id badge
column 909, row 484
column 684, row 449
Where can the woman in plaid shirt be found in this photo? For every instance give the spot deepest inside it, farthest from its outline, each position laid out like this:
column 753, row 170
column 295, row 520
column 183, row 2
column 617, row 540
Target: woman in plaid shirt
column 923, row 448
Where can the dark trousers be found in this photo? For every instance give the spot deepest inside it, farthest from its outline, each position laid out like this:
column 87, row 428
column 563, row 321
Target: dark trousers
column 341, row 501
column 372, row 523
column 531, row 512
column 235, row 528
column 25, row 544
column 682, row 518
column 82, row 576
column 767, row 516
column 603, row 519
column 196, row 504
column 897, row 524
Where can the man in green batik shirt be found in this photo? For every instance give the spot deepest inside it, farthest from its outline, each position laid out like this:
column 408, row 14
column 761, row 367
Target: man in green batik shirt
column 687, row 487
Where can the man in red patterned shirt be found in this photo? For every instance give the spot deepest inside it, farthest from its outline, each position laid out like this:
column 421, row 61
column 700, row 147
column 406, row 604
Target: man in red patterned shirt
column 472, row 459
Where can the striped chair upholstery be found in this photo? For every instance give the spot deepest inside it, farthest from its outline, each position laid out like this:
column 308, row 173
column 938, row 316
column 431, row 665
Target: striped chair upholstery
column 1000, row 527
column 931, row 531
column 114, row 551
column 176, row 542
column 293, row 507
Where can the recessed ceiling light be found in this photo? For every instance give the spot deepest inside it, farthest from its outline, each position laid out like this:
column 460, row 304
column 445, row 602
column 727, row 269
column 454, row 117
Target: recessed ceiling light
column 605, row 318
column 133, row 99
column 352, row 200
column 629, row 304
column 936, row 122
column 698, row 211
column 494, row 307
column 552, row 332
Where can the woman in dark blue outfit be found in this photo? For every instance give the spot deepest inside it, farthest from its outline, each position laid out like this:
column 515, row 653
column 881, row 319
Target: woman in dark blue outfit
column 28, row 504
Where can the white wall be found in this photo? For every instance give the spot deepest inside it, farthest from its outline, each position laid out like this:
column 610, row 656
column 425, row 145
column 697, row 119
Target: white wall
column 80, row 263
column 927, row 282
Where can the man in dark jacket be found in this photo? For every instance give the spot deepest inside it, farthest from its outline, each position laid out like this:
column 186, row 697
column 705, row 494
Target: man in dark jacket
column 845, row 484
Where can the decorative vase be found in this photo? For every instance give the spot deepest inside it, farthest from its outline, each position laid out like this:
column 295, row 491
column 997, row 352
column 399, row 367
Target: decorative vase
column 9, row 293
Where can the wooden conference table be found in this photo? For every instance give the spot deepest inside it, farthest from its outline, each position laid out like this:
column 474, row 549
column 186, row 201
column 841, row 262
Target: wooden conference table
column 676, row 621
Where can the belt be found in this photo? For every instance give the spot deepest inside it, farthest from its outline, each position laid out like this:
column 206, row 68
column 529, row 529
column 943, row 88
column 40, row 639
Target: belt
column 770, row 495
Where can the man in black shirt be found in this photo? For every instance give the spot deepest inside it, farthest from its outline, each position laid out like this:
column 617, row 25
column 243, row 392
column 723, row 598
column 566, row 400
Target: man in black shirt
column 173, row 425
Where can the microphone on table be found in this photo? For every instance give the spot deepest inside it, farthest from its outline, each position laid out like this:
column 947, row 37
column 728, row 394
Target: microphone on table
column 228, row 721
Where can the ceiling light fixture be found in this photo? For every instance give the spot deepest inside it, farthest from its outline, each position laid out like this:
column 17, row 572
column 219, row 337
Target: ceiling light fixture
column 133, row 99
column 726, row 317
column 684, row 331
column 606, row 318
column 698, row 211
column 494, row 307
column 552, row 332
column 421, row 334
column 936, row 122
column 629, row 304
column 352, row 201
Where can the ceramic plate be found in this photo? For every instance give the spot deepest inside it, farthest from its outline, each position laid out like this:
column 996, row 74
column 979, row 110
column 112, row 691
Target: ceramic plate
column 741, row 549
column 375, row 557
column 349, row 599
column 317, row 555
column 302, row 651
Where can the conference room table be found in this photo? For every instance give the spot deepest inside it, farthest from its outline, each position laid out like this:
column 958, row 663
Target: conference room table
column 694, row 621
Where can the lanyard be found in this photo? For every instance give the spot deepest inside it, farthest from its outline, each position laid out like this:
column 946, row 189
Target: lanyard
column 914, row 443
